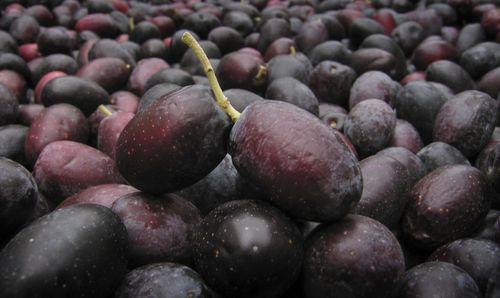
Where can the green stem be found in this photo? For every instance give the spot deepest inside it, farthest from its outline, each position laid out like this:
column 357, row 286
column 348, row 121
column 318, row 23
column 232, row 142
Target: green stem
column 105, row 110
column 220, row 98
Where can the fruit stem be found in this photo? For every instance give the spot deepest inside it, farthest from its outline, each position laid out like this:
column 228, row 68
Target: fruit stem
column 261, row 72
column 105, row 110
column 220, row 98
column 131, row 24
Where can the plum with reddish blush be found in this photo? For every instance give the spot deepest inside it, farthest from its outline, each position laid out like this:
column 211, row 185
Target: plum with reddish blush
column 110, row 73
column 406, row 135
column 109, row 131
column 142, row 72
column 46, row 64
column 369, row 59
column 374, row 84
column 16, row 83
column 159, row 228
column 433, row 50
column 99, row 23
column 103, row 194
column 125, row 101
column 64, row 168
column 331, row 82
column 241, row 70
column 449, row 203
column 57, row 122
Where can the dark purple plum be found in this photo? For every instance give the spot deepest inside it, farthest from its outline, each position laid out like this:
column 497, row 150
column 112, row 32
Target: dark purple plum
column 386, row 183
column 296, row 65
column 241, row 70
column 12, row 138
column 415, row 166
column 109, row 131
column 248, row 249
column 470, row 35
column 481, row 58
column 384, row 42
column 419, row 102
column 330, row 50
column 159, row 228
column 488, row 161
column 241, row 98
column 239, row 21
column 432, row 279
column 9, row 106
column 286, row 165
column 222, row 185
column 107, row 48
column 367, row 59
column 125, row 101
column 60, row 62
column 191, row 64
column 293, row 91
column 332, row 115
column 43, row 81
column 490, row 228
column 15, row 63
column 450, row 74
column 447, row 204
column 163, row 280
column 361, row 28
column 433, row 50
column 54, row 40
column 331, row 82
column 226, row 38
column 7, row 43
column 201, row 23
column 466, row 121
column 312, row 33
column 271, row 30
column 170, row 75
column 354, row 257
column 142, row 72
column 154, row 93
column 174, row 142
column 64, row 168
column 489, row 83
column 18, row 197
column 57, row 122
column 280, row 46
column 17, row 85
column 144, row 31
column 110, row 73
column 83, row 94
column 374, row 84
column 408, row 36
column 99, row 23
column 479, row 258
column 28, row 113
column 56, row 255
column 24, row 29
column 438, row 154
column 370, row 125
column 406, row 135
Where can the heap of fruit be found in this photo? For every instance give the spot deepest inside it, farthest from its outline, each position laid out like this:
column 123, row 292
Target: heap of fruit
column 262, row 148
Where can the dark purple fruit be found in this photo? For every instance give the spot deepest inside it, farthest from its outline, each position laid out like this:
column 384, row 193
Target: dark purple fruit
column 201, row 23
column 490, row 228
column 163, row 280
column 170, row 75
column 7, row 43
column 110, row 129
column 481, row 58
column 293, row 91
column 466, row 121
column 406, row 135
column 282, row 158
column 159, row 228
column 363, row 60
column 241, row 70
column 12, row 139
column 99, row 23
column 438, row 154
column 60, row 62
column 9, row 106
column 174, row 142
column 331, row 82
column 85, row 95
column 447, row 204
column 408, row 36
column 449, row 74
column 370, row 125
column 57, row 255
column 296, row 65
column 418, row 103
column 432, row 279
column 248, row 249
column 489, row 83
column 354, row 257
column 144, row 31
column 109, row 48
column 18, row 196
column 54, row 40
column 470, row 35
column 103, row 194
column 108, row 72
column 241, row 98
column 64, row 168
column 332, row 115
column 384, row 42
column 386, row 183
column 142, row 72
column 15, row 63
column 433, row 50
column 24, row 29
column 226, row 38
column 271, row 30
column 222, row 185
column 330, row 50
column 361, row 28
column 311, row 34
column 479, row 258
column 374, row 84
column 488, row 161
column 57, row 122
column 416, row 168
column 16, row 84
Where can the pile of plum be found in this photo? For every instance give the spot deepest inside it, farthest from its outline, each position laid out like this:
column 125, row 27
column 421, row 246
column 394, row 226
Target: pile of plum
column 254, row 148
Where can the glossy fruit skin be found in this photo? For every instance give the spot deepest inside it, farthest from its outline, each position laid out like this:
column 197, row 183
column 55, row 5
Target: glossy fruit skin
column 12, row 142
column 370, row 125
column 386, row 182
column 248, row 249
column 55, row 123
column 109, row 131
column 56, row 255
column 354, row 257
column 413, row 164
column 187, row 139
column 406, row 135
column 308, row 172
column 108, row 72
column 103, row 194
column 85, row 95
column 374, row 84
column 450, row 74
column 293, row 91
column 432, row 279
column 438, row 154
column 479, row 258
column 163, row 280
column 64, row 168
column 447, row 204
column 466, row 121
column 18, row 196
